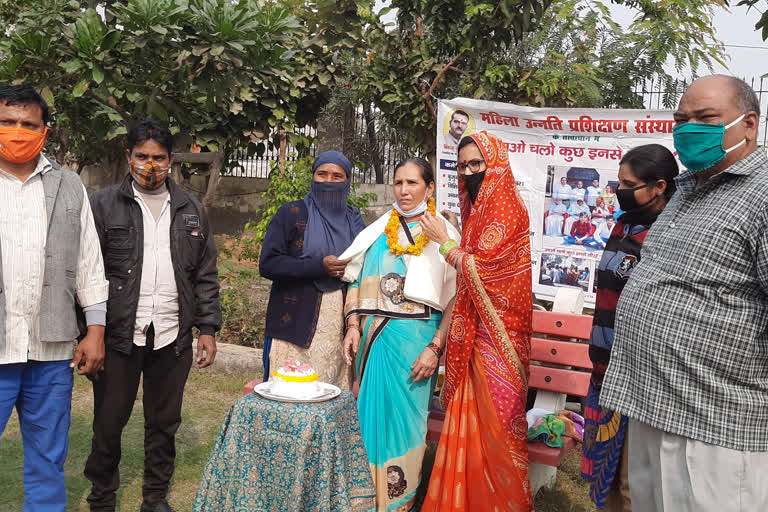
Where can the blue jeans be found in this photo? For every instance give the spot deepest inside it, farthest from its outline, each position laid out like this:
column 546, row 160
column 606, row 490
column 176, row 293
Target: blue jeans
column 587, row 241
column 42, row 395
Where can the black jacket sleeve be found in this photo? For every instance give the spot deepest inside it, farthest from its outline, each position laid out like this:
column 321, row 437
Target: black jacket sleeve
column 208, row 308
column 278, row 259
column 98, row 217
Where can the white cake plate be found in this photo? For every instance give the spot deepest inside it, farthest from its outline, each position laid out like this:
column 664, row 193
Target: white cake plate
column 325, row 392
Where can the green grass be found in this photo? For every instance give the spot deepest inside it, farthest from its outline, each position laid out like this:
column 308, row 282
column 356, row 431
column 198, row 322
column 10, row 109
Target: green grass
column 571, row 492
column 207, row 399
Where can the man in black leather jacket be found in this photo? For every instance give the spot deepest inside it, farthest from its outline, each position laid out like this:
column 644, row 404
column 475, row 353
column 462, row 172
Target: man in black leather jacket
column 160, row 260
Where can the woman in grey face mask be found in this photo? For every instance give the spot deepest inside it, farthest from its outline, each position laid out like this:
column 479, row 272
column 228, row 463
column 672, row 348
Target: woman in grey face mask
column 299, row 255
column 397, row 307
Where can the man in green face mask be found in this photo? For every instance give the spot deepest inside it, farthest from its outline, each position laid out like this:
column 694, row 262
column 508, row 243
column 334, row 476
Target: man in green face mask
column 689, row 365
column 712, row 131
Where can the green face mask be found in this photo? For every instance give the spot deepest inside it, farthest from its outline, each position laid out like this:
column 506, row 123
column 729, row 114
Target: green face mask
column 700, row 145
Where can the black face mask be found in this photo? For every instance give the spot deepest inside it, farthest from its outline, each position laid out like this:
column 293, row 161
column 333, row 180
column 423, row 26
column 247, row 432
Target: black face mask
column 473, row 183
column 628, row 201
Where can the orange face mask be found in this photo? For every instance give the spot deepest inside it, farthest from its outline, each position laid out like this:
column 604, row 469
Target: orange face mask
column 149, row 176
column 19, row 146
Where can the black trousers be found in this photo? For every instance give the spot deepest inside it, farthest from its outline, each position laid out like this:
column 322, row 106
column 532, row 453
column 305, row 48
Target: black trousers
column 114, row 394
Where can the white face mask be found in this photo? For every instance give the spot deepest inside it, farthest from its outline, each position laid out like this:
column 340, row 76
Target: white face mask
column 420, row 208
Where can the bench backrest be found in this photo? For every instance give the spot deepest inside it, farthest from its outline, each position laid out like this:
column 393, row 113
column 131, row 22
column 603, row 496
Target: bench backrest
column 565, row 365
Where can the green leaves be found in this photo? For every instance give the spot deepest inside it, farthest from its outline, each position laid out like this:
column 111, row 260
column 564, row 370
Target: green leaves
column 145, row 14
column 762, row 22
column 47, row 95
column 97, row 75
column 80, row 88
column 110, row 40
column 211, row 67
column 390, row 98
column 220, row 68
column 72, row 66
column 566, row 53
column 88, row 32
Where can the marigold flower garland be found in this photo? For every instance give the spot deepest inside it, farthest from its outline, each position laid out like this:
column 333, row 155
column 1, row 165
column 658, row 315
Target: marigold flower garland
column 420, row 242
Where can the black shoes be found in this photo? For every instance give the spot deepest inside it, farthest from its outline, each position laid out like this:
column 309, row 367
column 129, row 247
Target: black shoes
column 161, row 506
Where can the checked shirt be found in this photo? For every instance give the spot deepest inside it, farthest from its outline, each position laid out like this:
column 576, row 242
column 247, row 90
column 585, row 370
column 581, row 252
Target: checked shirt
column 690, row 355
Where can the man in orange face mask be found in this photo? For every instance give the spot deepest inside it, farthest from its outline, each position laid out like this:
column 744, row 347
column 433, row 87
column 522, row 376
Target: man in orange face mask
column 49, row 258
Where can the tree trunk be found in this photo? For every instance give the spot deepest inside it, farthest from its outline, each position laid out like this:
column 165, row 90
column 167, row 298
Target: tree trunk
column 373, row 142
column 213, row 180
column 348, row 131
column 329, row 136
column 176, row 172
column 282, row 155
column 62, row 136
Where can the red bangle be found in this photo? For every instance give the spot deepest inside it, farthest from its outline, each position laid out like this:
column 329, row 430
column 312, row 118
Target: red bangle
column 434, row 348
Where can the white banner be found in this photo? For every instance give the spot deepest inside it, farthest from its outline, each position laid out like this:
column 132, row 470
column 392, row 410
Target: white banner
column 565, row 162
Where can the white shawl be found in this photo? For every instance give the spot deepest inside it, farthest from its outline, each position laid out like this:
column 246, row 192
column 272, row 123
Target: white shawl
column 429, row 279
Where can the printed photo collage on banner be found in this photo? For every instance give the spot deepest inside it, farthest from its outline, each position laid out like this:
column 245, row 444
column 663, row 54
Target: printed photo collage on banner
column 566, row 164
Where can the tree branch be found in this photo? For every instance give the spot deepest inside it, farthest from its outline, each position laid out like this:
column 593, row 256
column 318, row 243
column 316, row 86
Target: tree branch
column 454, row 68
column 427, row 95
column 111, row 102
column 442, row 72
column 428, row 99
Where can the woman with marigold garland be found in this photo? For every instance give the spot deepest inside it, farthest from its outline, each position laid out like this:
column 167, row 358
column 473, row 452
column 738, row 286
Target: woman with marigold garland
column 400, row 288
column 482, row 458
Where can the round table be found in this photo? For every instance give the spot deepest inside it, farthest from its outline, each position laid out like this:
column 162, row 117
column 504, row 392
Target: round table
column 288, row 457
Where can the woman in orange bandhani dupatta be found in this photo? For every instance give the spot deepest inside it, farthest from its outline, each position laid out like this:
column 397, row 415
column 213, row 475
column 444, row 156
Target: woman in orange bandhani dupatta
column 482, row 458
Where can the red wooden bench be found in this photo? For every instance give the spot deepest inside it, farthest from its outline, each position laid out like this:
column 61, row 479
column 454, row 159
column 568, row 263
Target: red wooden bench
column 560, row 372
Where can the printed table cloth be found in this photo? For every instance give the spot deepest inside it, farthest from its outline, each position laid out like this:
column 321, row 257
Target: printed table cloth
column 288, row 457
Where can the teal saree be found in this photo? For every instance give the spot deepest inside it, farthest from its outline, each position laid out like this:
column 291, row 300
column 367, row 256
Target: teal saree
column 393, row 410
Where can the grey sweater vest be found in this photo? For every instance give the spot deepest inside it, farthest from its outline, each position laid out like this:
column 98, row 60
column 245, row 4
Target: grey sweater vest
column 64, row 198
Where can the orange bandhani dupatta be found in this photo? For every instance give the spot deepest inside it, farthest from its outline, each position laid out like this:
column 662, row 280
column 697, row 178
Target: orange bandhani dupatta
column 494, row 280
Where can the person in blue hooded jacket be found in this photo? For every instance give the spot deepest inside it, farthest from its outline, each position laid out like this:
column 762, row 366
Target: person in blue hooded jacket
column 305, row 319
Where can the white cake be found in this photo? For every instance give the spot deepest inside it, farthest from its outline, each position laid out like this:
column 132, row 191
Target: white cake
column 295, row 380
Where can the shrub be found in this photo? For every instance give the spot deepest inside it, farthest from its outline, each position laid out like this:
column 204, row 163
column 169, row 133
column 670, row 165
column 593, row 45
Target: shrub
column 243, row 298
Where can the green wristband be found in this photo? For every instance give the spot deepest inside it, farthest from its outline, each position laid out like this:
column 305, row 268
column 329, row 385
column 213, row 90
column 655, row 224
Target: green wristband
column 447, row 246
